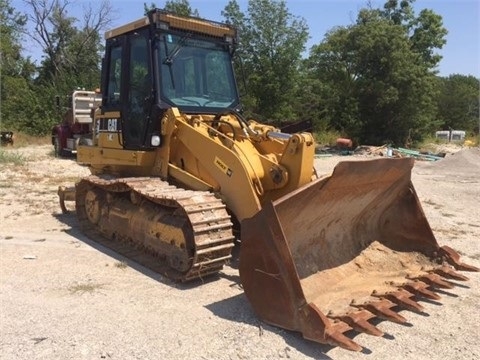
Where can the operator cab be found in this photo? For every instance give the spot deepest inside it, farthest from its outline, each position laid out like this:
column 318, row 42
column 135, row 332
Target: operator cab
column 165, row 61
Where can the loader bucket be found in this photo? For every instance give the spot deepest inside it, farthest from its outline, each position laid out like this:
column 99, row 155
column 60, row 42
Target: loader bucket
column 344, row 249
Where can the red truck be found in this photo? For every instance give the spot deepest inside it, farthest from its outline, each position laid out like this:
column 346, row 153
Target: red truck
column 76, row 124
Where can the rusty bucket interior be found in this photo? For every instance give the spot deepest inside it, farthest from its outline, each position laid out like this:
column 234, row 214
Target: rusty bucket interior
column 308, row 258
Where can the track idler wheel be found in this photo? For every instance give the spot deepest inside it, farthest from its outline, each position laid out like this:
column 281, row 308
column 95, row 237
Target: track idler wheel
column 93, row 200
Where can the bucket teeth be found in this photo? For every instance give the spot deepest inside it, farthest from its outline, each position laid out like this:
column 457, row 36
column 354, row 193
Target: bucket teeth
column 421, row 289
column 435, row 280
column 402, row 298
column 318, row 327
column 334, row 336
column 453, row 259
column 449, row 273
column 358, row 320
column 382, row 309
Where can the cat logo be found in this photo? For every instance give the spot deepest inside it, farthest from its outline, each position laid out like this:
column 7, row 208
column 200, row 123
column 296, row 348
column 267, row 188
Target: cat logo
column 223, row 167
column 112, row 125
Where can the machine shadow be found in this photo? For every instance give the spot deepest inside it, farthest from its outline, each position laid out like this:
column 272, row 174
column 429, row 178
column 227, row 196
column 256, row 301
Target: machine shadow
column 236, row 309
column 74, row 231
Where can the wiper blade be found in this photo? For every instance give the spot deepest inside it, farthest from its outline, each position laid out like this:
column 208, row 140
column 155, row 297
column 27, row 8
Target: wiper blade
column 170, row 56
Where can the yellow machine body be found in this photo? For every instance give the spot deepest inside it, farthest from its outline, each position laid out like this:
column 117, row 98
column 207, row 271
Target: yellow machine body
column 178, row 185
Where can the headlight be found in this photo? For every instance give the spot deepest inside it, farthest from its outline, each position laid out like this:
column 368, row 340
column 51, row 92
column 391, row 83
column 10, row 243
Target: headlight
column 155, row 140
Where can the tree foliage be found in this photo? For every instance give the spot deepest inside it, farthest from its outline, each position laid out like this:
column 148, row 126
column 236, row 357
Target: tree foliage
column 71, row 60
column 17, row 96
column 271, row 44
column 72, row 52
column 374, row 81
column 458, row 103
column 379, row 74
column 11, row 28
column 179, row 7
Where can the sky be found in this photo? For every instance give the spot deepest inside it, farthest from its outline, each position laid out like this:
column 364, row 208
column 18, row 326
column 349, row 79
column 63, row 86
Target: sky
column 461, row 54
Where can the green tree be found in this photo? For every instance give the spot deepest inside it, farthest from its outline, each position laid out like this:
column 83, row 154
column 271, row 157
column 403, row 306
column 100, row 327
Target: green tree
column 179, row 7
column 379, row 74
column 426, row 32
column 17, row 98
column 271, row 44
column 330, row 84
column 458, row 103
column 71, row 51
column 71, row 54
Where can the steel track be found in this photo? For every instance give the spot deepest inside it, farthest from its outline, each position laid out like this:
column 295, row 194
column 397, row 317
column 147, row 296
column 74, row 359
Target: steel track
column 211, row 241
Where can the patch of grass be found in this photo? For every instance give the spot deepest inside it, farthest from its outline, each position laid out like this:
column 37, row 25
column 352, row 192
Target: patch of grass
column 23, row 140
column 11, row 157
column 429, row 147
column 51, row 153
column 431, row 143
column 473, row 140
column 448, row 215
column 6, row 184
column 432, row 203
column 327, row 137
column 428, row 141
column 84, row 288
column 121, row 265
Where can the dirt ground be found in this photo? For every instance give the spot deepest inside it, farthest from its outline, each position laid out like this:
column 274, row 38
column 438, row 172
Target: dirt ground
column 64, row 297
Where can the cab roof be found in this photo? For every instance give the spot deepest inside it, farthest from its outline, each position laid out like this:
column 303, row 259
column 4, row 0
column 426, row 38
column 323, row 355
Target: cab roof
column 164, row 18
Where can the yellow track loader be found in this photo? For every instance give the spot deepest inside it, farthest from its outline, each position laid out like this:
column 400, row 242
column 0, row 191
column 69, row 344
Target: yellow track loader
column 178, row 174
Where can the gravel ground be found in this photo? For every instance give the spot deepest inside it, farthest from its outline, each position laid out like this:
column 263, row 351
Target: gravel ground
column 64, row 297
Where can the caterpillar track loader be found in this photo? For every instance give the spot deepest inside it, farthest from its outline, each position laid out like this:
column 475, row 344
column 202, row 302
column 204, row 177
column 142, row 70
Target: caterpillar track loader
column 178, row 173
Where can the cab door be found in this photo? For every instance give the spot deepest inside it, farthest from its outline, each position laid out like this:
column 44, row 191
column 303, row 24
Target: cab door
column 137, row 92
column 127, row 88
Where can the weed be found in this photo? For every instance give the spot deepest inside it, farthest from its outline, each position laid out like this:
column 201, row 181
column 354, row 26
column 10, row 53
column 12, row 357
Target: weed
column 121, row 264
column 448, row 215
column 6, row 184
column 11, row 157
column 428, row 143
column 473, row 140
column 327, row 138
column 84, row 288
column 24, row 140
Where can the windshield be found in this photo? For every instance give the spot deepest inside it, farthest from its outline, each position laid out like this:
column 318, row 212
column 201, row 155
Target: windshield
column 196, row 73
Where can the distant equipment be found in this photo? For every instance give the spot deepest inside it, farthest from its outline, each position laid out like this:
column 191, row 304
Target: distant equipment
column 6, row 138
column 76, row 125
column 450, row 135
